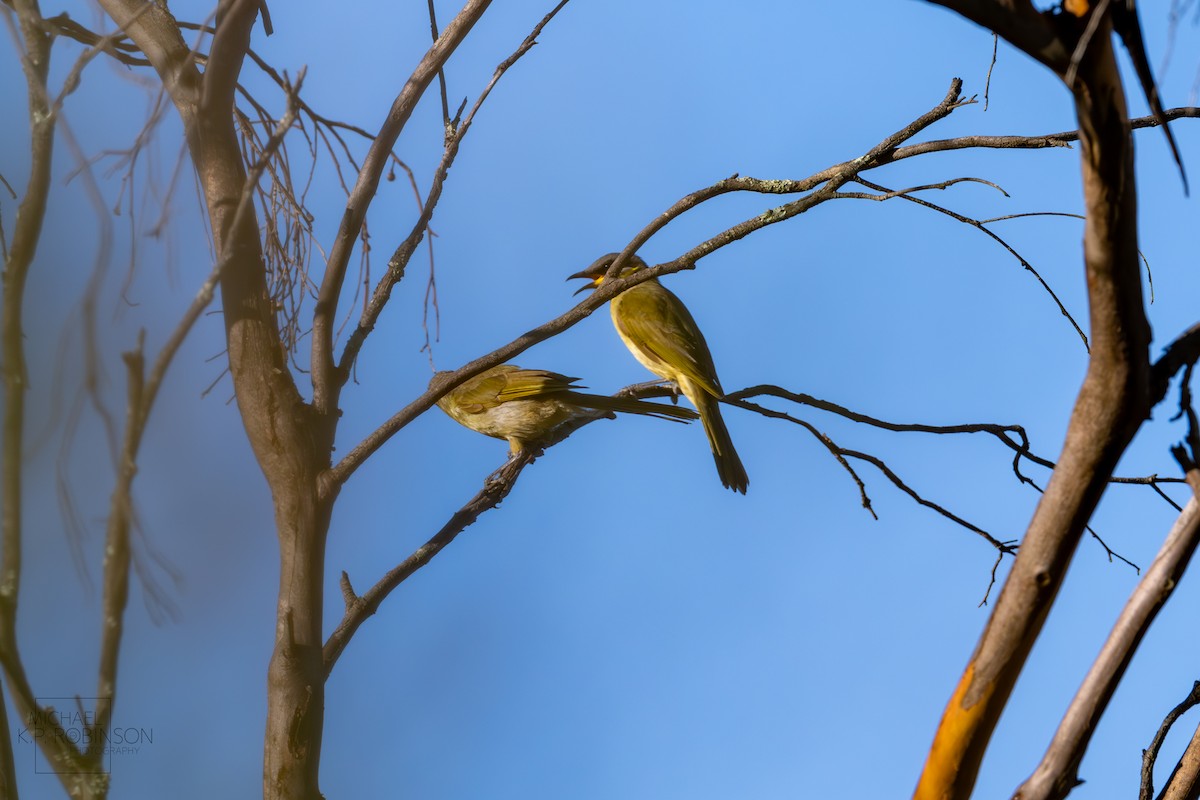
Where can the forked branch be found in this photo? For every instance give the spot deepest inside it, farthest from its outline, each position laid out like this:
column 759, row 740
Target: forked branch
column 1056, row 775
column 1181, row 774
column 323, row 368
column 495, row 488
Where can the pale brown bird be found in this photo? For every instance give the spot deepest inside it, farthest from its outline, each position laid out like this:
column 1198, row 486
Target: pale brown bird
column 523, row 405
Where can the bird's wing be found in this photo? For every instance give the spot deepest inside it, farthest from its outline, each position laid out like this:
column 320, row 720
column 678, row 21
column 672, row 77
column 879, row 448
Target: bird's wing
column 659, row 323
column 483, row 392
column 526, row 383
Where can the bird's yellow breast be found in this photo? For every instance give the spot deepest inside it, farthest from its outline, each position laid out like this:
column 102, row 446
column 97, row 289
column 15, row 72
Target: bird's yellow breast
column 624, row 303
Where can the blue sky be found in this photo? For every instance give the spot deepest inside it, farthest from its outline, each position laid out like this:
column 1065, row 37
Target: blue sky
column 622, row 626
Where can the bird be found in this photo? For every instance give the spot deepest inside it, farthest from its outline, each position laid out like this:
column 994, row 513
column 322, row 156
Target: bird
column 661, row 333
column 522, row 406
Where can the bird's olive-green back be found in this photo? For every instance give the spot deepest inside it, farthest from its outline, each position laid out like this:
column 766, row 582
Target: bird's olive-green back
column 501, row 384
column 656, row 321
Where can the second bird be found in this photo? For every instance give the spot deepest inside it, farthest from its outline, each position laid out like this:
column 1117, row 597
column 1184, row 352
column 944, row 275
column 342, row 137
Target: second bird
column 523, row 405
column 660, row 332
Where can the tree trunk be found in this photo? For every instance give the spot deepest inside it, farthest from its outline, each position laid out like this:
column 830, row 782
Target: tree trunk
column 296, row 676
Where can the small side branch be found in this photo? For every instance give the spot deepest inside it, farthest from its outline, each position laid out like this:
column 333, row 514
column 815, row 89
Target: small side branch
column 495, row 488
column 1013, row 437
column 1150, row 754
column 323, row 367
column 398, row 263
column 833, row 180
column 1179, row 354
column 1056, row 774
column 822, row 186
column 887, row 194
column 359, row 608
column 843, row 455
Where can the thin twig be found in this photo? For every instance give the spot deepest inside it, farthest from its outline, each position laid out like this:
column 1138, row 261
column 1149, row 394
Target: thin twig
column 994, row 236
column 433, row 29
column 987, row 87
column 398, row 263
column 833, row 180
column 324, row 381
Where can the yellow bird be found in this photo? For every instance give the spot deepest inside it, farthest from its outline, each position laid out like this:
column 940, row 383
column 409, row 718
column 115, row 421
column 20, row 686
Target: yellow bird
column 523, row 405
column 660, row 332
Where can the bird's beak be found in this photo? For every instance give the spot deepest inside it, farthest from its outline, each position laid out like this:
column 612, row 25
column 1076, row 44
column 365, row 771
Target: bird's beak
column 592, row 282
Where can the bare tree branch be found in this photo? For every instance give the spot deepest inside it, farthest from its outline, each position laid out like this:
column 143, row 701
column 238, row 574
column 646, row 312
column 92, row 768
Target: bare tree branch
column 156, row 34
column 1150, row 754
column 830, row 179
column 1057, row 774
column 398, row 263
column 980, row 226
column 323, row 378
column 1013, row 437
column 34, row 47
column 735, row 398
column 1063, row 139
column 363, row 450
column 1184, row 782
column 495, row 488
column 1179, row 354
column 433, row 29
column 842, row 453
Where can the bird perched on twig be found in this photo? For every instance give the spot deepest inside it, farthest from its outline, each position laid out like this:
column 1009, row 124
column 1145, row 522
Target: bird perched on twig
column 524, row 405
column 660, row 332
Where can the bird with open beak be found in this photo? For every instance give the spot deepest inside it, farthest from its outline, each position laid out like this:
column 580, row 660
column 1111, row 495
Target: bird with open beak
column 661, row 333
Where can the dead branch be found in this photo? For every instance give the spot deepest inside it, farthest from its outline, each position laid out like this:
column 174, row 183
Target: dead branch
column 830, row 180
column 398, row 263
column 323, row 366
column 1179, row 354
column 1056, row 775
column 495, row 488
column 1150, row 754
column 1005, row 434
column 363, row 450
column 1184, row 781
column 34, row 48
column 887, row 194
column 837, row 452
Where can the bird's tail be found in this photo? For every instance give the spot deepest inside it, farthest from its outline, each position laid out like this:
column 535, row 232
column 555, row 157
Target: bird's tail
column 729, row 465
column 631, row 406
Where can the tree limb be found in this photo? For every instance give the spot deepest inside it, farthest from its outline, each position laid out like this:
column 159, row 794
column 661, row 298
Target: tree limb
column 403, row 253
column 34, row 46
column 323, row 367
column 610, row 288
column 1150, row 754
column 495, row 488
column 1057, row 774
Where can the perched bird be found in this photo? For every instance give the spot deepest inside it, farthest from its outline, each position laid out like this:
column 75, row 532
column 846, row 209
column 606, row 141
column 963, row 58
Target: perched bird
column 523, row 405
column 660, row 332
